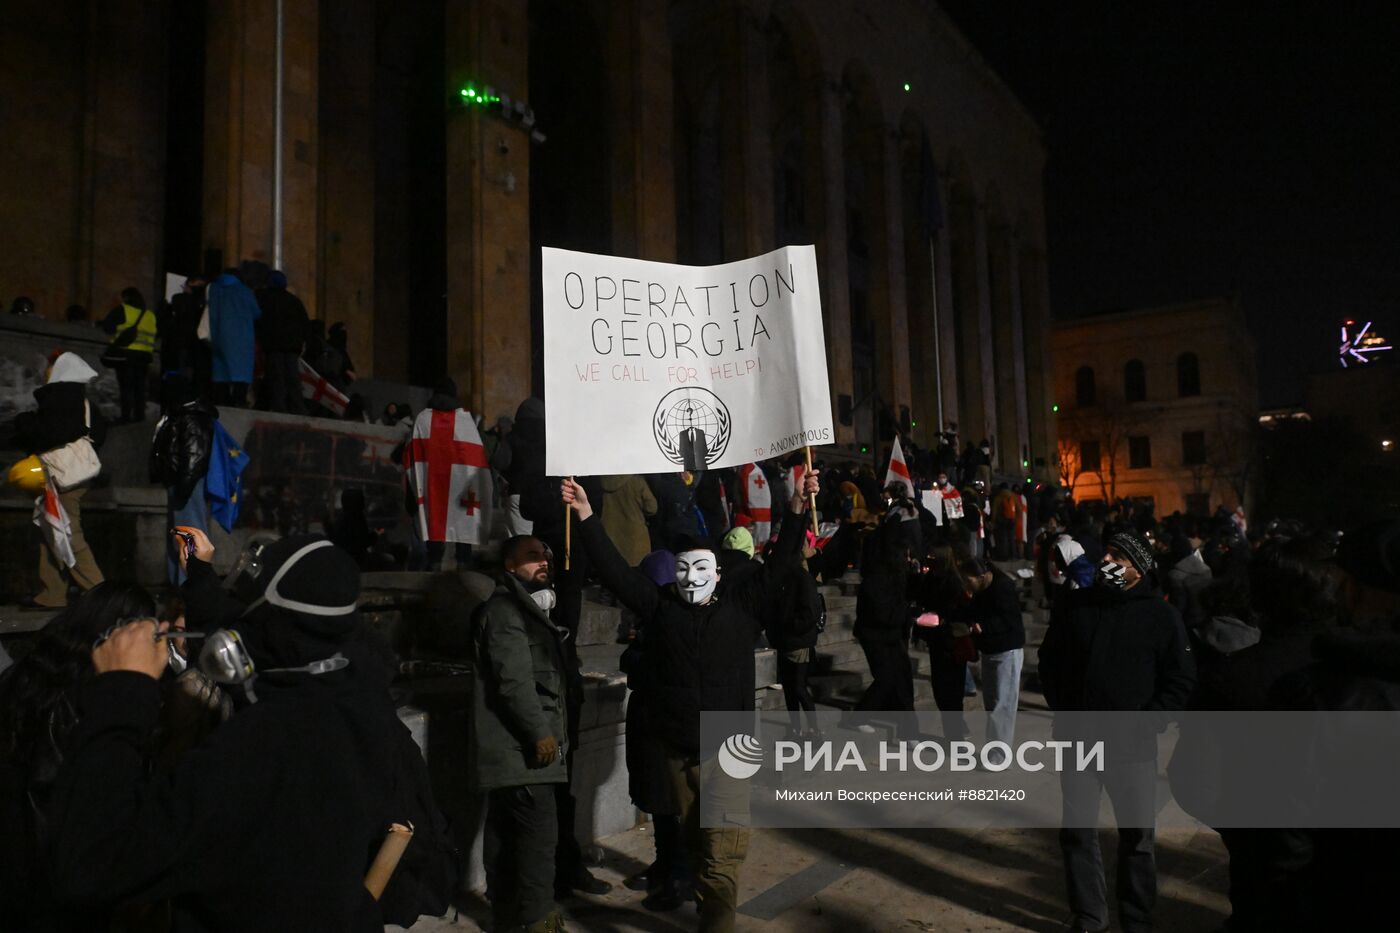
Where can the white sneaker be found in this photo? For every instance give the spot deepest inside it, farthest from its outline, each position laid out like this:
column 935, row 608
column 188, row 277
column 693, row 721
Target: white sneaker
column 866, row 727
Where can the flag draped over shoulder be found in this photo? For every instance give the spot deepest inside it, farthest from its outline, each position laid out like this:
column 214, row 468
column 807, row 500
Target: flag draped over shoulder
column 898, row 472
column 446, row 463
column 755, row 507
column 54, row 526
column 224, row 484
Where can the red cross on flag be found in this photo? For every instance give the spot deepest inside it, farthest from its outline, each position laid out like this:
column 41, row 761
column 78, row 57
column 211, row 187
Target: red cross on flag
column 54, row 525
column 451, row 481
column 898, row 472
column 315, row 388
column 755, row 506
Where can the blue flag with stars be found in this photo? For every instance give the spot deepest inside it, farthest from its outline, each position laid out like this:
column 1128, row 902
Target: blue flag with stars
column 224, row 484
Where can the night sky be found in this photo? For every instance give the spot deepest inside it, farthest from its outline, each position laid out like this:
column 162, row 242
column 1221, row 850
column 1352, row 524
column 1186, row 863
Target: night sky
column 1195, row 149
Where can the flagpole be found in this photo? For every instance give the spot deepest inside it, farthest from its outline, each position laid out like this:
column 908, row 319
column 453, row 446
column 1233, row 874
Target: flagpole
column 568, row 529
column 813, row 498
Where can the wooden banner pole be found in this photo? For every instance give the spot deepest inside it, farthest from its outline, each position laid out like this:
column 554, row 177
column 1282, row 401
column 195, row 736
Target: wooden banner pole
column 568, row 530
column 813, row 497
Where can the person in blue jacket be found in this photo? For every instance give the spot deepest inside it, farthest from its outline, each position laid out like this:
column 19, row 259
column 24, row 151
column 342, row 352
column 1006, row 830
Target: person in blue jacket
column 233, row 309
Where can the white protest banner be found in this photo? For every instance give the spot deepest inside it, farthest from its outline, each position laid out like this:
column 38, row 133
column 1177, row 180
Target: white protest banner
column 653, row 367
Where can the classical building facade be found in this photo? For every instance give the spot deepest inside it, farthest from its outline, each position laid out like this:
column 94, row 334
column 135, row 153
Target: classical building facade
column 1158, row 404
column 429, row 148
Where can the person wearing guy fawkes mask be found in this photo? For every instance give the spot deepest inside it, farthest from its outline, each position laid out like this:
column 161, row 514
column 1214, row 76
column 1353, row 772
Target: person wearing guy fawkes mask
column 1116, row 646
column 698, row 650
column 519, row 716
column 272, row 821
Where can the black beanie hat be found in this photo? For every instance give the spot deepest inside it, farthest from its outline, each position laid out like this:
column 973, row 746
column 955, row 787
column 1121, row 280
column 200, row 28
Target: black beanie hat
column 1135, row 548
column 313, row 579
column 688, row 542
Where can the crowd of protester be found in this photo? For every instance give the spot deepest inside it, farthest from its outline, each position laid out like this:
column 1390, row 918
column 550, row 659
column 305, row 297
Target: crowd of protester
column 226, row 754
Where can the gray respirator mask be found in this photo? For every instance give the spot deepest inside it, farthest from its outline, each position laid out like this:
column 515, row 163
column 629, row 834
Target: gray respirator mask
column 225, row 660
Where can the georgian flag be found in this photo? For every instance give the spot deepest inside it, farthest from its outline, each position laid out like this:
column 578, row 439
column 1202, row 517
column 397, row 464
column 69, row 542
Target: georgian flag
column 898, row 472
column 755, row 502
column 447, row 467
column 54, row 526
column 315, row 388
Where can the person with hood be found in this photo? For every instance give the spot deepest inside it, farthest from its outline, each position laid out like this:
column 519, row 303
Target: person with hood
column 628, row 507
column 698, row 647
column 38, row 714
column 525, row 461
column 181, row 350
column 272, row 822
column 281, row 332
column 180, row 462
column 64, row 415
column 1115, row 646
column 132, row 322
column 1187, row 576
column 884, row 615
column 519, row 735
column 233, row 313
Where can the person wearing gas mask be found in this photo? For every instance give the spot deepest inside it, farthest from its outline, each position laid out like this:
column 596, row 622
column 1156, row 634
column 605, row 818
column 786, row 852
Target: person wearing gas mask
column 698, row 650
column 519, row 716
column 272, row 822
column 1116, row 646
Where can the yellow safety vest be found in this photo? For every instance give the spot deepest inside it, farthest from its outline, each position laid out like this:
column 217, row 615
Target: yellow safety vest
column 145, row 341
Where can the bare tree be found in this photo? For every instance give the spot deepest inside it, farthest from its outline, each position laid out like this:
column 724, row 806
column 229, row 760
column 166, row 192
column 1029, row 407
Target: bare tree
column 1110, row 421
column 1233, row 457
column 1070, row 464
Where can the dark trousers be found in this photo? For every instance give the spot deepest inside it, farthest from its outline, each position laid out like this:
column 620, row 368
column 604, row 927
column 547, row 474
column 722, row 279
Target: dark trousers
column 568, row 854
column 1131, row 787
column 131, row 384
column 892, row 686
column 437, row 551
column 798, row 696
column 949, row 681
column 520, row 830
column 231, row 394
column 283, row 382
column 1270, row 881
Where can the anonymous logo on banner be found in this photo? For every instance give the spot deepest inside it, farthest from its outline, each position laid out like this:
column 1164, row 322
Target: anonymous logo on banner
column 691, row 426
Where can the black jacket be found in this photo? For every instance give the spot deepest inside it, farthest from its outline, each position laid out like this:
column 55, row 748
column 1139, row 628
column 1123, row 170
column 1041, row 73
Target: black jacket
column 1107, row 650
column 284, row 323
column 884, row 611
column 58, row 419
column 998, row 610
column 270, row 824
column 180, row 449
column 798, row 608
column 688, row 658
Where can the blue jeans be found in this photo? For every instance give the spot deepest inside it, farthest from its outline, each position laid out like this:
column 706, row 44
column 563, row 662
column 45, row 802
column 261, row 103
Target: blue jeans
column 195, row 513
column 1001, row 693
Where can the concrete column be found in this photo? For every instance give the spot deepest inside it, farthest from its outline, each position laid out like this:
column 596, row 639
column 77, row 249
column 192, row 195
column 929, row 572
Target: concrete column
column 746, row 157
column 123, row 183
column 642, row 91
column 831, row 254
column 1006, row 346
column 238, row 137
column 488, row 265
column 347, row 176
column 892, row 358
column 947, row 321
column 983, row 337
column 1018, row 357
column 1040, row 394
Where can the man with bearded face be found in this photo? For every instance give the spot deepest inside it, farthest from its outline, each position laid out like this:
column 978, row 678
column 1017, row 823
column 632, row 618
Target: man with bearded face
column 519, row 712
column 696, row 647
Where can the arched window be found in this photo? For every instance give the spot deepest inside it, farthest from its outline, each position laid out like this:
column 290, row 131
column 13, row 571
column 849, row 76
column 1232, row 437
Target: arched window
column 1135, row 381
column 1188, row 375
column 1084, row 392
